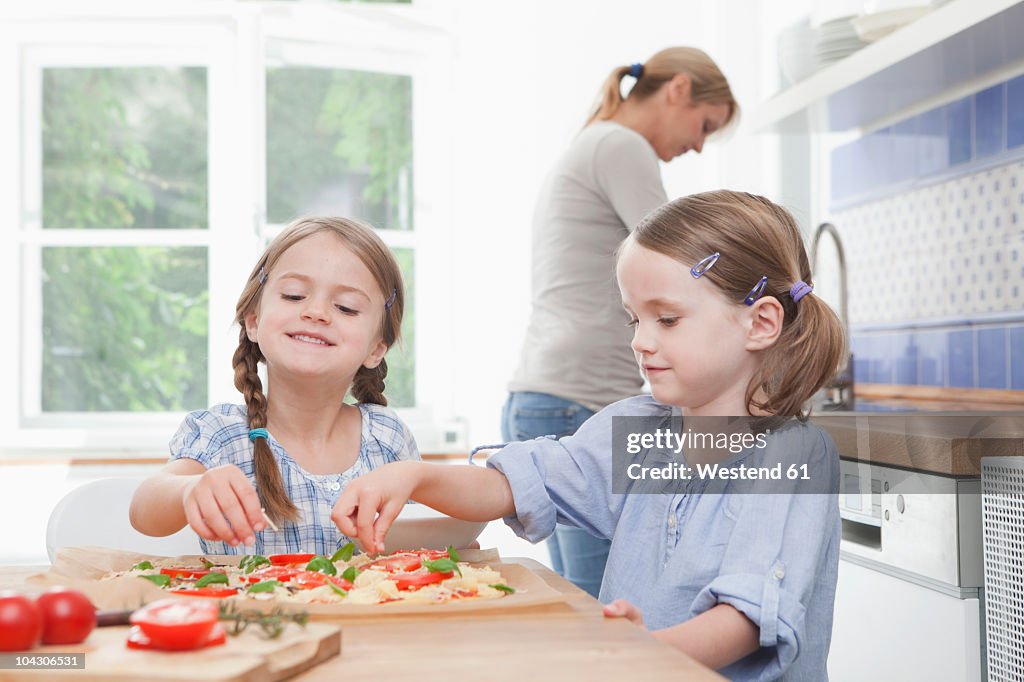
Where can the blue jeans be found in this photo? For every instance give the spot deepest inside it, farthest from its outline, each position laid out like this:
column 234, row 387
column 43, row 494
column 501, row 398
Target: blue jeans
column 576, row 555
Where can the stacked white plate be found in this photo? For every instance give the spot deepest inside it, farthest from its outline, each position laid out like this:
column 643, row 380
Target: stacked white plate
column 795, row 50
column 835, row 40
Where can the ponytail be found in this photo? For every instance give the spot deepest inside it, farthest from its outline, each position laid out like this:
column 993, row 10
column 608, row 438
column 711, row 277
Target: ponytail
column 610, row 96
column 269, row 485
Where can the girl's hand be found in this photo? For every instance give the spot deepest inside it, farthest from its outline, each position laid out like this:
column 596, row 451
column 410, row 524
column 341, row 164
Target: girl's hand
column 369, row 504
column 221, row 504
column 620, row 608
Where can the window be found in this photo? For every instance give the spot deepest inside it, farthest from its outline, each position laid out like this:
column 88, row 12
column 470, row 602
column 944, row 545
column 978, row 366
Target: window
column 154, row 170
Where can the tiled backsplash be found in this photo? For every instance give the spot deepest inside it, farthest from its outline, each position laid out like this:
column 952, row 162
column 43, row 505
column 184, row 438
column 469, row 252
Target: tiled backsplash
column 931, row 211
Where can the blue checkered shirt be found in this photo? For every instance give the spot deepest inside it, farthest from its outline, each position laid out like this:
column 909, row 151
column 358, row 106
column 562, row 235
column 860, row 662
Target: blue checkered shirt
column 220, row 435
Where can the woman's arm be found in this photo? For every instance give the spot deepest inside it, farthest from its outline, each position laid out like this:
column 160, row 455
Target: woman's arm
column 370, row 503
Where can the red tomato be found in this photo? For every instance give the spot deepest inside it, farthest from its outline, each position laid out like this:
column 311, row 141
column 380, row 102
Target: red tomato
column 137, row 639
column 417, row 579
column 21, row 623
column 177, row 624
column 282, row 573
column 407, row 561
column 68, row 616
column 307, row 580
column 189, row 573
column 215, row 592
column 289, row 559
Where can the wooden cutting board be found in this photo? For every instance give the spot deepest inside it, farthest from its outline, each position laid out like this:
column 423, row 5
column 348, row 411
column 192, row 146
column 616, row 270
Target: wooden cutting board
column 246, row 657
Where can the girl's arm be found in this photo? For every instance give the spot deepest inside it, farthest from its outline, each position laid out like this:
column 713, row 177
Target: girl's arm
column 218, row 503
column 719, row 636
column 370, row 503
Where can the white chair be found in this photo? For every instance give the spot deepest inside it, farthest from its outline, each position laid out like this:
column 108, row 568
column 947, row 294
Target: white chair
column 96, row 513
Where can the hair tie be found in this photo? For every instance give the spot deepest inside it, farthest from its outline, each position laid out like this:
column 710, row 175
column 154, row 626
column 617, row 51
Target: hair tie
column 258, row 433
column 391, row 299
column 636, row 71
column 262, row 275
column 799, row 290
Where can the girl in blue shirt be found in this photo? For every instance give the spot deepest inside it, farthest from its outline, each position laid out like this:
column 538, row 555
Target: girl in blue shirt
column 321, row 308
column 738, row 574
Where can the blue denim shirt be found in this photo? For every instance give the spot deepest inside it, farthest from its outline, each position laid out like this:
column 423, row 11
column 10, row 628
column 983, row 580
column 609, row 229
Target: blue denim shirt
column 772, row 556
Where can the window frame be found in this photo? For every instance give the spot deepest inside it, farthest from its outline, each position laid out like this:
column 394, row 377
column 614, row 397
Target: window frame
column 231, row 41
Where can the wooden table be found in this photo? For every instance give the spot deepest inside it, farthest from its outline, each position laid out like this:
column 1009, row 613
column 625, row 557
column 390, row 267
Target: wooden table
column 566, row 641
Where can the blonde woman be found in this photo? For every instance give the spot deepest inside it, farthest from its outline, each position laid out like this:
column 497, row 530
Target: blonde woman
column 576, row 358
column 321, row 308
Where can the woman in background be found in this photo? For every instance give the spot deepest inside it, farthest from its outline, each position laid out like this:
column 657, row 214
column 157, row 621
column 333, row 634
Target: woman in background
column 576, row 357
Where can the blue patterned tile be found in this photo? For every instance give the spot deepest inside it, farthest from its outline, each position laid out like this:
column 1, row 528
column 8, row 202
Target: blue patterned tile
column 1017, row 358
column 1015, row 112
column 958, row 118
column 961, row 358
column 992, row 358
column 988, row 121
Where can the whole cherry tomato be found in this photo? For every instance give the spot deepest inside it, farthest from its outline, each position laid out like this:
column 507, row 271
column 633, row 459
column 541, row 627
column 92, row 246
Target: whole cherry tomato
column 21, row 623
column 68, row 616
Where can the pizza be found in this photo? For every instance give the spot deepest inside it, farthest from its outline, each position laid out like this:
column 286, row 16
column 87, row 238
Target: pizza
column 417, row 576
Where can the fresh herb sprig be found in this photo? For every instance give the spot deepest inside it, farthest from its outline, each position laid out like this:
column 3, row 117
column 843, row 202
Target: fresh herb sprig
column 271, row 624
column 251, row 562
column 442, row 565
column 345, row 553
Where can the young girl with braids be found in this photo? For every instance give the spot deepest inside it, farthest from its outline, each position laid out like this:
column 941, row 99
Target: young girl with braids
column 739, row 574
column 321, row 308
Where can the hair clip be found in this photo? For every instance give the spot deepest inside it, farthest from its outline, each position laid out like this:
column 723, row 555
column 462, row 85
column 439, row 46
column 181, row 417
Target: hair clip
column 799, row 290
column 636, row 70
column 391, row 299
column 263, row 275
column 705, row 264
column 756, row 292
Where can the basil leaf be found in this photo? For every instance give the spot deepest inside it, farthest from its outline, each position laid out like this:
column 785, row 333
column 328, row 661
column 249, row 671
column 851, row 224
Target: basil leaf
column 350, row 574
column 265, row 586
column 452, row 554
column 337, row 589
column 250, row 563
column 212, row 579
column 442, row 565
column 345, row 553
column 142, row 566
column 206, row 562
column 322, row 564
column 158, row 579
column 504, row 588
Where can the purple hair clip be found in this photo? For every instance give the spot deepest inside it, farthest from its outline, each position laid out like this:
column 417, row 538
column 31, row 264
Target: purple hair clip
column 704, row 265
column 263, row 275
column 391, row 299
column 799, row 290
column 756, row 292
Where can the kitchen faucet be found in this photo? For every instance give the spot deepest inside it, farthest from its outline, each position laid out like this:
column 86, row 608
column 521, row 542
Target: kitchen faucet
column 837, row 394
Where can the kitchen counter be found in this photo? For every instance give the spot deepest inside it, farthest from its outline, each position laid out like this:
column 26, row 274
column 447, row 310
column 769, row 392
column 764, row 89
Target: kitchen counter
column 568, row 641
column 944, row 443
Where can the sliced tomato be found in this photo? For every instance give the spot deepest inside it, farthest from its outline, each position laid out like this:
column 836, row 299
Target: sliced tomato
column 290, row 559
column 307, row 580
column 417, row 579
column 214, row 592
column 184, row 572
column 137, row 639
column 405, row 561
column 177, row 624
column 282, row 573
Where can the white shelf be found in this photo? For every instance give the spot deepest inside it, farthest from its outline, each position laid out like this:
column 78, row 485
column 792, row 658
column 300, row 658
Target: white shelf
column 960, row 42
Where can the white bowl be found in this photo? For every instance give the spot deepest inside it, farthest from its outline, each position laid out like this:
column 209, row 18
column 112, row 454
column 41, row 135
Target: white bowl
column 420, row 527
